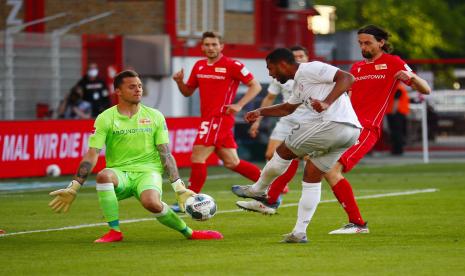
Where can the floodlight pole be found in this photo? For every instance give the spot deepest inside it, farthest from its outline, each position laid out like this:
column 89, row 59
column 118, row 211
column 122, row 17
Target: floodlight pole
column 55, row 55
column 8, row 97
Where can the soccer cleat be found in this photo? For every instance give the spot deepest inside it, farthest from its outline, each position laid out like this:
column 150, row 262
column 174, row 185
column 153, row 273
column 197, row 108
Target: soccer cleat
column 295, row 238
column 260, row 207
column 245, row 191
column 351, row 228
column 206, row 235
column 175, row 207
column 111, row 236
column 2, row 232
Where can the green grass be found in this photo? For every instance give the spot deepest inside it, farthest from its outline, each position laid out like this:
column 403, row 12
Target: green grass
column 419, row 234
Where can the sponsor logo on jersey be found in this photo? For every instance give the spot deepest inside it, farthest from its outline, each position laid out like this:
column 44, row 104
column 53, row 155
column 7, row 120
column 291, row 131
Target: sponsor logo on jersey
column 220, row 69
column 204, row 76
column 245, row 72
column 145, row 121
column 200, row 67
column 381, row 66
column 358, row 69
column 132, row 131
column 370, row 77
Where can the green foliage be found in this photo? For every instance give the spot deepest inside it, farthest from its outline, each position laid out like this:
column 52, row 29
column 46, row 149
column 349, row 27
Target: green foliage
column 417, row 234
column 419, row 28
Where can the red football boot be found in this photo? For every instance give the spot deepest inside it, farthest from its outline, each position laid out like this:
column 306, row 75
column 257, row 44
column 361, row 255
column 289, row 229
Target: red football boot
column 206, row 235
column 111, row 236
column 2, row 232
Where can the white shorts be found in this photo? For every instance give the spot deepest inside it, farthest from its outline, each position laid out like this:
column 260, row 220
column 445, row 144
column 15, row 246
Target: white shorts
column 285, row 125
column 283, row 128
column 323, row 141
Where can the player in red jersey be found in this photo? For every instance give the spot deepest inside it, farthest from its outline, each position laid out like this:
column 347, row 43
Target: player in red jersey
column 376, row 78
column 217, row 78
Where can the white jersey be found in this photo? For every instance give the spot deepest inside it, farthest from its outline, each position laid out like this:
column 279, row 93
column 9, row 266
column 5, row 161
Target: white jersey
column 285, row 90
column 315, row 80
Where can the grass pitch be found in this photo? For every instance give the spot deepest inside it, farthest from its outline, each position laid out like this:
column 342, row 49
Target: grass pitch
column 411, row 234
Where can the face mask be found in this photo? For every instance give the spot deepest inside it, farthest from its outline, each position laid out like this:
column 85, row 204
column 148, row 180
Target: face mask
column 92, row 73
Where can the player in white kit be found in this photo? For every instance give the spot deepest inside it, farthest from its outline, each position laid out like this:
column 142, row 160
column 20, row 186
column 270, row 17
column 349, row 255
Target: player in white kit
column 280, row 132
column 329, row 127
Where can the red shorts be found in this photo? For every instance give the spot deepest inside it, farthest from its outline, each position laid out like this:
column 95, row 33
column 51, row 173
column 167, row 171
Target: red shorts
column 216, row 131
column 366, row 141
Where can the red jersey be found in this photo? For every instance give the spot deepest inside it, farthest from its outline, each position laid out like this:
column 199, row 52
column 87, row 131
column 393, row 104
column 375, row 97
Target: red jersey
column 373, row 86
column 217, row 84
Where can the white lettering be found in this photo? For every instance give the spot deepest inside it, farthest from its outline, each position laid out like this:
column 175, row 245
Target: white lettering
column 204, row 76
column 68, row 145
column 171, row 137
column 12, row 17
column 370, row 77
column 15, row 148
column 63, row 145
column 8, row 147
column 184, row 140
column 45, row 146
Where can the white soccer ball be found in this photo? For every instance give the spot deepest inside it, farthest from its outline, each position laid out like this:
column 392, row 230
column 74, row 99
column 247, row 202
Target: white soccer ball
column 53, row 170
column 200, row 207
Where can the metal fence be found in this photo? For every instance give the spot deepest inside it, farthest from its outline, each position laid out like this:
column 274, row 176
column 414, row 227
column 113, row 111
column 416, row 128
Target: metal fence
column 36, row 70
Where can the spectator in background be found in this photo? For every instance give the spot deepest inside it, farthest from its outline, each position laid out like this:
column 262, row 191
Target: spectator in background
column 74, row 107
column 95, row 90
column 397, row 112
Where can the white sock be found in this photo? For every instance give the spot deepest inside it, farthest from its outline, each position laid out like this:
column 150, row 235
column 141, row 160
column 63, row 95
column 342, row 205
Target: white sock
column 273, row 168
column 311, row 193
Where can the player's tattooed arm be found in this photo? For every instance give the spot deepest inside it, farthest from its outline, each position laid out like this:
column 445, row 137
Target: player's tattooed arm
column 168, row 162
column 87, row 164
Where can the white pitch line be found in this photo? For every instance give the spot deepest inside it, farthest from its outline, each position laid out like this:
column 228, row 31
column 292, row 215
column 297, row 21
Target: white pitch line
column 411, row 192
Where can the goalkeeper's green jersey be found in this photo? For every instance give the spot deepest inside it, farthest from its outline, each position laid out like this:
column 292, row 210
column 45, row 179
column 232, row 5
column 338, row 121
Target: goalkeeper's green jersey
column 130, row 143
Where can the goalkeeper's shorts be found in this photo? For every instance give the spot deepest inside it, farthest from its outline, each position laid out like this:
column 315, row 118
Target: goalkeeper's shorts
column 134, row 183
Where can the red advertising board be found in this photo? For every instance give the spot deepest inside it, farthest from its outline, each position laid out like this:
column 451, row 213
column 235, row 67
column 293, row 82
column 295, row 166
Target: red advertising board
column 28, row 147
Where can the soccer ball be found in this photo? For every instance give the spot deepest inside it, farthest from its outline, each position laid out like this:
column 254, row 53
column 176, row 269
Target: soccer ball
column 200, row 207
column 53, row 170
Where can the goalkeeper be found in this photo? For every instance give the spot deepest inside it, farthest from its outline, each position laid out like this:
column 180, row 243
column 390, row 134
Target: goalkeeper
column 137, row 153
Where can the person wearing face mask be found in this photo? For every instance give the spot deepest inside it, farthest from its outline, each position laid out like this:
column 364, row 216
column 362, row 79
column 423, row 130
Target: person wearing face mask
column 95, row 90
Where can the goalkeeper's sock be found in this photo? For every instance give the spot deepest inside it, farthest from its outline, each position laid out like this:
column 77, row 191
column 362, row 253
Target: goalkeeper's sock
column 345, row 195
column 198, row 176
column 311, row 193
column 280, row 183
column 109, row 204
column 247, row 170
column 169, row 218
column 273, row 168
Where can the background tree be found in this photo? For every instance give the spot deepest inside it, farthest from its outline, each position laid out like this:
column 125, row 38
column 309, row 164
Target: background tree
column 419, row 28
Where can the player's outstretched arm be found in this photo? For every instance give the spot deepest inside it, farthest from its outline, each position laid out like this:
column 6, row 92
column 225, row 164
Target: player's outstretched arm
column 267, row 101
column 65, row 197
column 169, row 164
column 414, row 81
column 277, row 110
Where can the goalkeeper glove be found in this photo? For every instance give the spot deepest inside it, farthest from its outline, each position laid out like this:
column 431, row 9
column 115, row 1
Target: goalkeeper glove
column 64, row 197
column 182, row 193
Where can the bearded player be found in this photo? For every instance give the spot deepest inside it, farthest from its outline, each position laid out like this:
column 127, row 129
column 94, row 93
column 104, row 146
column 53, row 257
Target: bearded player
column 376, row 78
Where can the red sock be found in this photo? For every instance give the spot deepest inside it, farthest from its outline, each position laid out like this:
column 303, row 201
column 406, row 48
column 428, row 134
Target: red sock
column 248, row 170
column 280, row 183
column 198, row 176
column 344, row 194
